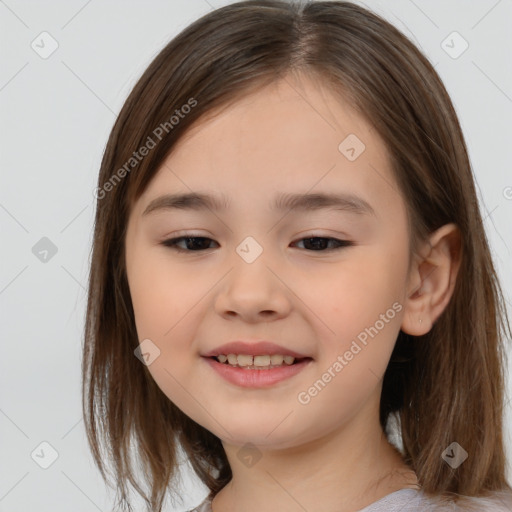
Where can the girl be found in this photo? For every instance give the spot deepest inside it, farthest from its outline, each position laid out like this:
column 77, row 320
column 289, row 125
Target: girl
column 289, row 270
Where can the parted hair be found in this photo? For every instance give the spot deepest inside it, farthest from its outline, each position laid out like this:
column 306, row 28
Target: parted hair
column 444, row 386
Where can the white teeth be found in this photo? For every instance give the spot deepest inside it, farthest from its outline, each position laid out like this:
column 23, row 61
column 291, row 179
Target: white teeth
column 248, row 361
column 289, row 359
column 276, row 359
column 244, row 360
column 259, row 360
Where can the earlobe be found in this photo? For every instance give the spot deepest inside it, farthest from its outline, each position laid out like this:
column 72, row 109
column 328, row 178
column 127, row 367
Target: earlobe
column 432, row 280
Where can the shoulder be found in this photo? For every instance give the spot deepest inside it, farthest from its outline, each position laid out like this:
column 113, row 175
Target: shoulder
column 499, row 501
column 413, row 500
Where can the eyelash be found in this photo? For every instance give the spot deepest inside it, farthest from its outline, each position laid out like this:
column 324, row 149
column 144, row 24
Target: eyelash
column 171, row 243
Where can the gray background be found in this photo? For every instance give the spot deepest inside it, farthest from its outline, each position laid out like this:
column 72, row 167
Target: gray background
column 56, row 114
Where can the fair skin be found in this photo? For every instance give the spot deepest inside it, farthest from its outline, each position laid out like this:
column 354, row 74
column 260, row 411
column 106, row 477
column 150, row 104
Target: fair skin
column 329, row 454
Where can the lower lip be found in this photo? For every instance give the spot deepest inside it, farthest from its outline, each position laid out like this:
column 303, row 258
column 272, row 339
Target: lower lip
column 256, row 378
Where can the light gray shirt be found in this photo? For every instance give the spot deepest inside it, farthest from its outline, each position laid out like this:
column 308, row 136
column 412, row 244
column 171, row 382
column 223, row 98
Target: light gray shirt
column 409, row 500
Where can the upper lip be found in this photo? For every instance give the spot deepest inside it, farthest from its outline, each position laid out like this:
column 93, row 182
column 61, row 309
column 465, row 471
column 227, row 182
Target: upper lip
column 261, row 348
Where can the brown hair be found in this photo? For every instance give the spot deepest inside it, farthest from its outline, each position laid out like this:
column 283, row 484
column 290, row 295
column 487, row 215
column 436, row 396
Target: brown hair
column 447, row 386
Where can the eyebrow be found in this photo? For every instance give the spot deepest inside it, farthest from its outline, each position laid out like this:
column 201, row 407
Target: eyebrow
column 302, row 202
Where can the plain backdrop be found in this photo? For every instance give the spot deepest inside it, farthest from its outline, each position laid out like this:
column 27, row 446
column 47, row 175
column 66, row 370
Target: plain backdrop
column 56, row 114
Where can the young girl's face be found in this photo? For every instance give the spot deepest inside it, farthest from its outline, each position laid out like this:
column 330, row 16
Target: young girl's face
column 259, row 272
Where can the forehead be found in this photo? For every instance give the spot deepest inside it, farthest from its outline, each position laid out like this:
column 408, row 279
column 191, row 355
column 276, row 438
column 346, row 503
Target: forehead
column 291, row 136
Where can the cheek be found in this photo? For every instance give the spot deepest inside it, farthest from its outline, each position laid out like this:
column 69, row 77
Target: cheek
column 163, row 302
column 363, row 310
column 166, row 300
column 363, row 307
column 161, row 294
column 364, row 288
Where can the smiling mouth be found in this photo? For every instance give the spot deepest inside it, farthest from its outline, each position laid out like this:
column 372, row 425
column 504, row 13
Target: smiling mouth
column 261, row 362
column 257, row 372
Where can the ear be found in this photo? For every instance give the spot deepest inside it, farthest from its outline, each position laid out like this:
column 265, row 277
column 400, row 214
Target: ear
column 431, row 280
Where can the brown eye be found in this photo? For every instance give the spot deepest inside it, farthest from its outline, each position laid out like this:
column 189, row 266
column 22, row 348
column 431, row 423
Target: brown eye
column 192, row 243
column 201, row 243
column 319, row 244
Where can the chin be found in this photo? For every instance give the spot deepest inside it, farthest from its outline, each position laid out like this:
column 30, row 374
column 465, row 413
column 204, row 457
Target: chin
column 249, row 430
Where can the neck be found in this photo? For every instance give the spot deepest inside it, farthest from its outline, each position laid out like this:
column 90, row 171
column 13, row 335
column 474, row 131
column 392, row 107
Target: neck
column 343, row 471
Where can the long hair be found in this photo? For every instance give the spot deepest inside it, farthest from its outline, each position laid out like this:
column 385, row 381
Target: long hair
column 445, row 386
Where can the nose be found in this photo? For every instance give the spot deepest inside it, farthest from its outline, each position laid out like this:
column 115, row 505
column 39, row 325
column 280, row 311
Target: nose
column 254, row 292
